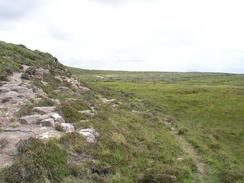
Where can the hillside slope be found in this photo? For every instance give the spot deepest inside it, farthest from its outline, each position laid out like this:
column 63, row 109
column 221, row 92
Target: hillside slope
column 60, row 124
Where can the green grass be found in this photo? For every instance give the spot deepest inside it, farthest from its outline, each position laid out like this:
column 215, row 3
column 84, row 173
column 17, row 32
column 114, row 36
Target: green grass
column 12, row 57
column 208, row 109
column 38, row 161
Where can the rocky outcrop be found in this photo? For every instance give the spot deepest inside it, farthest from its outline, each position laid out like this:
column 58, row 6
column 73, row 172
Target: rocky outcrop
column 75, row 84
column 31, row 72
column 40, row 124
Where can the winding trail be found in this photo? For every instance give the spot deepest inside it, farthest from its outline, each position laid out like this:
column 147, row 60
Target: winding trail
column 190, row 150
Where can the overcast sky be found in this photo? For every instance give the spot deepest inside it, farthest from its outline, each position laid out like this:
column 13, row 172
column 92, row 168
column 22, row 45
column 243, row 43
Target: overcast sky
column 157, row 35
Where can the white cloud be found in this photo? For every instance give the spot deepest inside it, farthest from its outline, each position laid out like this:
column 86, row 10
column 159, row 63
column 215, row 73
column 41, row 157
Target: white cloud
column 174, row 35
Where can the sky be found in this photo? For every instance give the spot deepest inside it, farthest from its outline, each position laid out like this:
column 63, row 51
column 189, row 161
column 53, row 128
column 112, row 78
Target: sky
column 135, row 35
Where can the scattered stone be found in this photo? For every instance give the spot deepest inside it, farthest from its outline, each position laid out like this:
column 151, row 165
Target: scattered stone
column 66, row 127
column 48, row 122
column 32, row 119
column 40, row 72
column 107, row 101
column 84, row 89
column 44, row 83
column 25, row 67
column 39, row 92
column 57, row 117
column 58, row 78
column 180, row 159
column 93, row 109
column 76, row 85
column 99, row 77
column 4, row 90
column 90, row 134
column 115, row 105
column 49, row 134
column 87, row 112
column 63, row 89
column 44, row 110
column 56, row 101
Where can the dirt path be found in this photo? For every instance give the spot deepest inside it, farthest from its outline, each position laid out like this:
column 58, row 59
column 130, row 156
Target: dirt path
column 189, row 149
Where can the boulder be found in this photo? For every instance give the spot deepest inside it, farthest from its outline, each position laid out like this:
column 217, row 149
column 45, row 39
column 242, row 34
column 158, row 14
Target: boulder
column 90, row 134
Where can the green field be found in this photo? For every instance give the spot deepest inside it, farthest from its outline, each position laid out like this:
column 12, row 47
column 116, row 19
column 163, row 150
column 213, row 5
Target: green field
column 207, row 108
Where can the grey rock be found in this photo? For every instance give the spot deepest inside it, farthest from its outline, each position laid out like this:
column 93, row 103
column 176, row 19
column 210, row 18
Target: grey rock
column 49, row 134
column 87, row 112
column 48, row 122
column 40, row 73
column 90, row 134
column 66, row 127
column 57, row 117
column 44, row 110
column 32, row 119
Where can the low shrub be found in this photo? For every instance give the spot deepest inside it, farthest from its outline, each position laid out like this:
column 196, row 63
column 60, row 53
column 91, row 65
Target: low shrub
column 232, row 175
column 38, row 161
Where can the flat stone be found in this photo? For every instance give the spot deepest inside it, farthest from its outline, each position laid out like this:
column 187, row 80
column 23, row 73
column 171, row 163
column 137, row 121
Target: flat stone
column 4, row 90
column 49, row 134
column 32, row 119
column 44, row 110
column 87, row 112
column 84, row 89
column 107, row 101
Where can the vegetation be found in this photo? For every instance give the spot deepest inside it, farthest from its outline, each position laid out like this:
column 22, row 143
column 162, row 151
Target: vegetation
column 207, row 109
column 136, row 142
column 36, row 162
